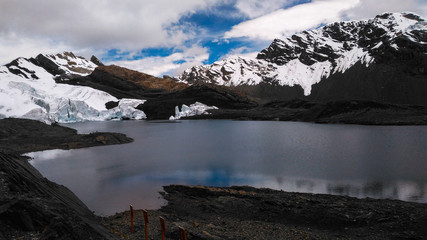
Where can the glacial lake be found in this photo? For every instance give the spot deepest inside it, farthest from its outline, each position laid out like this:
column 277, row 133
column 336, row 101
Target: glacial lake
column 354, row 160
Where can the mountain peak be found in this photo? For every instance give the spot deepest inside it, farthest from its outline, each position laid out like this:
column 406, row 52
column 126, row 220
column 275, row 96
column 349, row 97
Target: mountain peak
column 393, row 16
column 308, row 57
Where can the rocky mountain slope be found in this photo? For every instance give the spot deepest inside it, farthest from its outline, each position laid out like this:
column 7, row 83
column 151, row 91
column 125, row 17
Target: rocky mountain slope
column 380, row 59
column 126, row 83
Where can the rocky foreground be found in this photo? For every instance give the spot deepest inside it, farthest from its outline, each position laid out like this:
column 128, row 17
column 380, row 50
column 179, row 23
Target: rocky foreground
column 249, row 213
column 32, row 207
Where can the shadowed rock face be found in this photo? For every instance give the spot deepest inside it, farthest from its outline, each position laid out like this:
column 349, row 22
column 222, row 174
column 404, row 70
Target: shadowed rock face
column 33, row 207
column 349, row 112
column 96, row 61
column 222, row 97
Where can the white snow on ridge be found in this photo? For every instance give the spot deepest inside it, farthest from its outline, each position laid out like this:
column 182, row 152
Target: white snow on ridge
column 237, row 71
column 72, row 64
column 45, row 100
column 194, row 109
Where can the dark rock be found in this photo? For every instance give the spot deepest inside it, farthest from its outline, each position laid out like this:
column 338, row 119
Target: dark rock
column 96, row 61
column 280, row 53
column 47, row 64
column 379, row 82
column 111, row 104
column 32, row 205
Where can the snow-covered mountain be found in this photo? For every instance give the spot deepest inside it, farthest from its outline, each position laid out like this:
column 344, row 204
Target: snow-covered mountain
column 28, row 90
column 310, row 57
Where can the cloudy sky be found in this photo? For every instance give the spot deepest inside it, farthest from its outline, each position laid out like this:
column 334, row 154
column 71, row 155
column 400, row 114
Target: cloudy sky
column 167, row 36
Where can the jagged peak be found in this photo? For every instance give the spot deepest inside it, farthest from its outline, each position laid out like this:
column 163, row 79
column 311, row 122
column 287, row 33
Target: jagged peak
column 397, row 15
column 71, row 63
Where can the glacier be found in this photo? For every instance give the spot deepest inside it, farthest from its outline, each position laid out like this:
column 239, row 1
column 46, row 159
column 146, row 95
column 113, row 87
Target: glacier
column 194, row 109
column 34, row 94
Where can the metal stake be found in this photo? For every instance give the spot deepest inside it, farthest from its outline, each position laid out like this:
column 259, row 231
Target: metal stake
column 163, row 226
column 131, row 219
column 182, row 234
column 146, row 223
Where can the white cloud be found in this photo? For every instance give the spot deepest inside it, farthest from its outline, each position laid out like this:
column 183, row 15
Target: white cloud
column 241, row 52
column 256, row 8
column 95, row 24
column 310, row 15
column 370, row 8
column 291, row 20
column 173, row 64
column 13, row 46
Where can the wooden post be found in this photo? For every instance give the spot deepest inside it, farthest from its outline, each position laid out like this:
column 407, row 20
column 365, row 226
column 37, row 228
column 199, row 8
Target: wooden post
column 182, row 234
column 163, row 226
column 131, row 219
column 146, row 223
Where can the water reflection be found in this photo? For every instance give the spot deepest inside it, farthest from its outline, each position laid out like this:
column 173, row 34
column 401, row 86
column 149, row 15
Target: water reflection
column 359, row 161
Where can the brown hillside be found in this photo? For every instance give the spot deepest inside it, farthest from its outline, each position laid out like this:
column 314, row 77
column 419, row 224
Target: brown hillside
column 141, row 79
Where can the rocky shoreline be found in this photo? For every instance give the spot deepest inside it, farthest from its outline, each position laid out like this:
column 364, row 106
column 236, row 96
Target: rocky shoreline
column 243, row 212
column 32, row 207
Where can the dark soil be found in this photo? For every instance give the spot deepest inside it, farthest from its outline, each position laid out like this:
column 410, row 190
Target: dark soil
column 251, row 213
